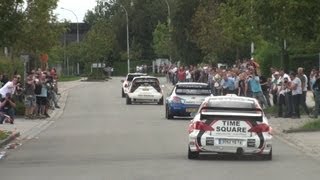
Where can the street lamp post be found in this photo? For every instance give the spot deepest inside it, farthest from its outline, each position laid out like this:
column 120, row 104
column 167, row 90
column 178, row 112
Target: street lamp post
column 77, row 22
column 169, row 23
column 169, row 13
column 78, row 69
column 128, row 45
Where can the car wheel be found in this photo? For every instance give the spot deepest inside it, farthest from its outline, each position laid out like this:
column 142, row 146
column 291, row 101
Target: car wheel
column 192, row 155
column 168, row 114
column 128, row 100
column 267, row 157
column 160, row 101
column 122, row 93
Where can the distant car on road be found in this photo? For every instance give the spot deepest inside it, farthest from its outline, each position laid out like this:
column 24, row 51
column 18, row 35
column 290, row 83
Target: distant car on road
column 230, row 125
column 185, row 99
column 126, row 83
column 145, row 89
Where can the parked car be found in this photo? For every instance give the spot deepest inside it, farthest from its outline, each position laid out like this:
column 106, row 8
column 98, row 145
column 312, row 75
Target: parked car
column 230, row 125
column 145, row 89
column 185, row 99
column 126, row 83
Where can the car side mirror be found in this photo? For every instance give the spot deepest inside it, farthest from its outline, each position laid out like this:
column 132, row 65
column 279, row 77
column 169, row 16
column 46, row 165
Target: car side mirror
column 122, row 81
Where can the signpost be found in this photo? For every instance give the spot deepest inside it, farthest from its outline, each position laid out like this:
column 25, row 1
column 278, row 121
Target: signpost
column 25, row 58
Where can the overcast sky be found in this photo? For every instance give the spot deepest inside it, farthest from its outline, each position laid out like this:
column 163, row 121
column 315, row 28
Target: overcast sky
column 79, row 7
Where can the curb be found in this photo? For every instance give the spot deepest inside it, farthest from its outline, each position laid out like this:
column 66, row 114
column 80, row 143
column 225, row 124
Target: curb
column 9, row 139
column 298, row 145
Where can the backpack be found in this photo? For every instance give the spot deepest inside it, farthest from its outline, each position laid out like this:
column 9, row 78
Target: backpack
column 37, row 89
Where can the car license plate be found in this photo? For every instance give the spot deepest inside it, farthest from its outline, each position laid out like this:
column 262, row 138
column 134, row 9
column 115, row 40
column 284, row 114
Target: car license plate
column 230, row 142
column 145, row 89
column 191, row 110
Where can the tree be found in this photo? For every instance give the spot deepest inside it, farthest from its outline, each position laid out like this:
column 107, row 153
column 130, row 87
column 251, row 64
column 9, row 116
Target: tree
column 11, row 17
column 99, row 43
column 161, row 40
column 185, row 49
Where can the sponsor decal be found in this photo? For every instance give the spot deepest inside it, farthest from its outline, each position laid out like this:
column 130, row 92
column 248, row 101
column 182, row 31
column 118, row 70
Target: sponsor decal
column 231, row 127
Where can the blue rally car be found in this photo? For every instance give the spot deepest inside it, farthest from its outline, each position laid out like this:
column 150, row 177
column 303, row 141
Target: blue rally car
column 185, row 99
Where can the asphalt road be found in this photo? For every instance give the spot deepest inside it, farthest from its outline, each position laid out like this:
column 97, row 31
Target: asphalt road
column 100, row 137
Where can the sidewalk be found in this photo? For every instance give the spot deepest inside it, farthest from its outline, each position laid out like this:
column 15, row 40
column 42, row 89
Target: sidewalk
column 29, row 129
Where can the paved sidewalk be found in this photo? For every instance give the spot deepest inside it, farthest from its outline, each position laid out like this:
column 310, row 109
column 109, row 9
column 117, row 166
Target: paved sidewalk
column 29, row 129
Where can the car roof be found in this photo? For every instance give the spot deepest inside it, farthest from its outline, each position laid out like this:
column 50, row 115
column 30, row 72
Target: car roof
column 191, row 83
column 231, row 97
column 142, row 74
column 145, row 77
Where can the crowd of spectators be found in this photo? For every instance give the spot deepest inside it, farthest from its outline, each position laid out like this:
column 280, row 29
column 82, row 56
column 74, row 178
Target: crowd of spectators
column 38, row 94
column 286, row 90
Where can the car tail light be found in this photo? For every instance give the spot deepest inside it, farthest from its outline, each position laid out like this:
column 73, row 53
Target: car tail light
column 176, row 99
column 260, row 128
column 199, row 125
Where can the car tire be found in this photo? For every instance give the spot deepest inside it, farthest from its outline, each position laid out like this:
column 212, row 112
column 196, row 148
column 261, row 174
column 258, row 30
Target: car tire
column 122, row 93
column 192, row 155
column 128, row 100
column 160, row 101
column 267, row 157
column 168, row 114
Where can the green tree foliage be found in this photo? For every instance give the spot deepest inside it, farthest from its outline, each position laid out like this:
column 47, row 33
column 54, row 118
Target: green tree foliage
column 41, row 31
column 186, row 50
column 161, row 40
column 11, row 17
column 99, row 42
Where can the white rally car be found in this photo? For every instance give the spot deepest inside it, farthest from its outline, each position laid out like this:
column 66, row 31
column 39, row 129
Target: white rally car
column 127, row 82
column 145, row 89
column 230, row 125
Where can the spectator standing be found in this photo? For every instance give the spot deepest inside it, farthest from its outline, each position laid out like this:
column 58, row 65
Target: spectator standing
column 275, row 87
column 228, row 85
column 181, row 75
column 316, row 91
column 265, row 89
column 285, row 78
column 241, row 85
column 41, row 96
column 296, row 93
column 30, row 98
column 188, row 75
column 254, row 82
column 304, row 85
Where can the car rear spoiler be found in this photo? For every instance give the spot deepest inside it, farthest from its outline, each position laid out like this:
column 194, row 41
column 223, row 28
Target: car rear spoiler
column 223, row 111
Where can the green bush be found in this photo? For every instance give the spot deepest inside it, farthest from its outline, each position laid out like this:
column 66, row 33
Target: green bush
column 20, row 108
column 9, row 66
column 97, row 74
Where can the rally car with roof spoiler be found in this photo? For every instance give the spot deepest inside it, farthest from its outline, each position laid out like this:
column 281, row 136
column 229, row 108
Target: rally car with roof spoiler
column 145, row 89
column 230, row 125
column 185, row 99
column 127, row 82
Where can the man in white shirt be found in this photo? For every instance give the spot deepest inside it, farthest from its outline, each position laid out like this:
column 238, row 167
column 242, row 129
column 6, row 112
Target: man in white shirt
column 9, row 87
column 296, row 89
column 304, row 86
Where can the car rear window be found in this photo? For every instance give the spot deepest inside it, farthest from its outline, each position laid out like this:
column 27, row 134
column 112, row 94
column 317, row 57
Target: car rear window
column 130, row 77
column 248, row 104
column 146, row 82
column 193, row 90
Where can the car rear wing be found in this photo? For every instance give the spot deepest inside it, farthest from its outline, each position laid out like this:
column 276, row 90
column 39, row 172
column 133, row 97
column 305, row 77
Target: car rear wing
column 206, row 112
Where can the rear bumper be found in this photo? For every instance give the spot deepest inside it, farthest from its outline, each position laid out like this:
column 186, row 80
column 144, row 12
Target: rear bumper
column 141, row 96
column 216, row 148
column 182, row 109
